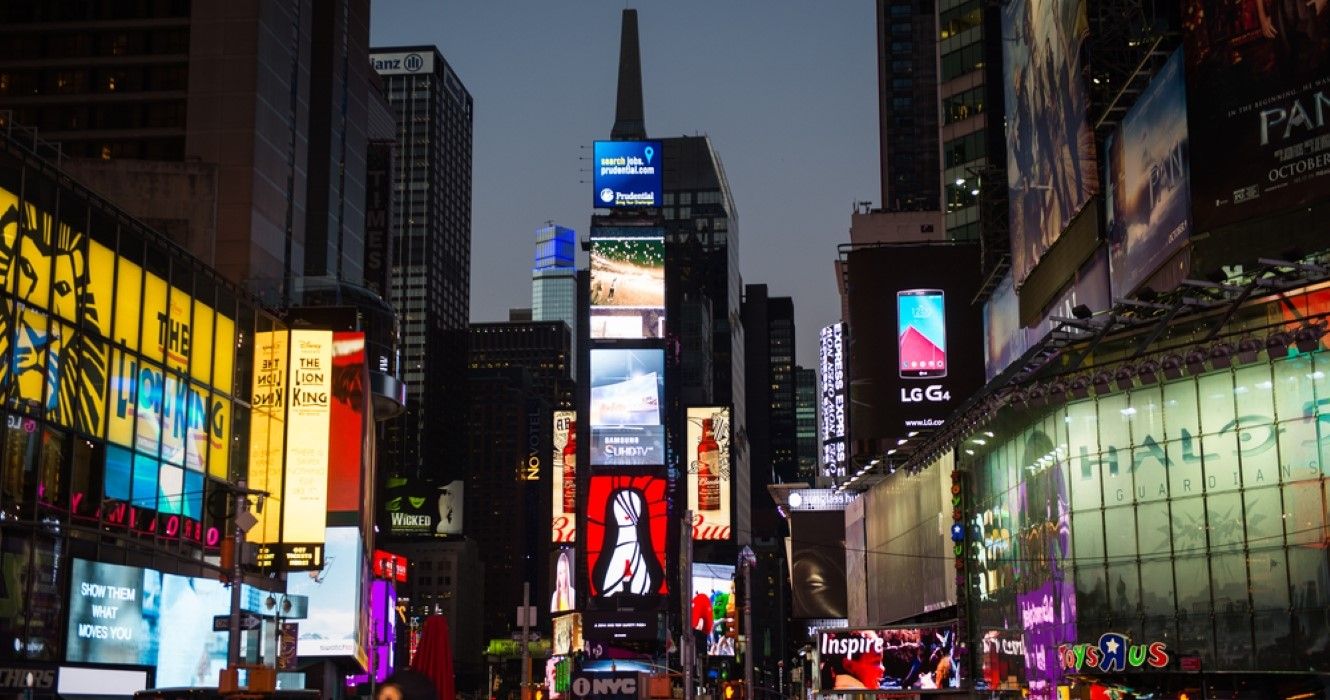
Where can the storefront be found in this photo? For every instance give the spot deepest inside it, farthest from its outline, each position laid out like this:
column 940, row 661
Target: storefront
column 1156, row 523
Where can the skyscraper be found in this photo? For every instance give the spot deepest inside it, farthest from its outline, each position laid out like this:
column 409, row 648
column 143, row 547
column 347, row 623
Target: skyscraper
column 907, row 104
column 554, row 279
column 769, row 326
column 805, row 419
column 431, row 267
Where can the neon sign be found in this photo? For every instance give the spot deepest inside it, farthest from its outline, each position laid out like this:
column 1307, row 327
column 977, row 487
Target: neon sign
column 1113, row 652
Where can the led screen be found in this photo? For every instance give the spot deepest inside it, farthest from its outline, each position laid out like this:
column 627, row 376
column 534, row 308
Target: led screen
column 627, row 287
column 1256, row 75
column 567, row 633
column 817, row 564
column 627, row 392
column 334, row 597
column 626, row 174
column 921, row 330
column 891, row 658
column 831, row 348
column 350, row 396
column 709, row 482
column 563, row 596
column 563, row 478
column 715, row 607
column 1147, row 190
column 625, row 535
column 1051, row 168
column 127, row 615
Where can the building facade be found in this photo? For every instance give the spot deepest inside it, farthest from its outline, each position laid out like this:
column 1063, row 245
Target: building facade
column 554, row 279
column 431, row 268
column 807, row 451
column 907, row 104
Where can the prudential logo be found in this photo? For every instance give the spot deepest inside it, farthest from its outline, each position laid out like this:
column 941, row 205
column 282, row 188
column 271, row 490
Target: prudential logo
column 606, row 195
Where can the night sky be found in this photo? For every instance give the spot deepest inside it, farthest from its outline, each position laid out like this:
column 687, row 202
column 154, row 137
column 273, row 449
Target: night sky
column 787, row 91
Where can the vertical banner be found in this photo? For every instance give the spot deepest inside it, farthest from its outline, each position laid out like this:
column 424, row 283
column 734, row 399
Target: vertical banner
column 267, row 434
column 563, row 477
column 708, row 455
column 346, row 459
column 305, row 495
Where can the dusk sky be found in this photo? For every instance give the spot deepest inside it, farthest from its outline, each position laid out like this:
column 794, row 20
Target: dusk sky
column 786, row 89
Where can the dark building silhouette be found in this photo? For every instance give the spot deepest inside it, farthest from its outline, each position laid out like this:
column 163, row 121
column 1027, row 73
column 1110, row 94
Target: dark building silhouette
column 805, row 421
column 544, row 348
column 431, row 263
column 907, row 104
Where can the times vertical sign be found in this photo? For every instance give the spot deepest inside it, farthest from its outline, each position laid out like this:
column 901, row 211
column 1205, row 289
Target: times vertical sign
column 833, row 408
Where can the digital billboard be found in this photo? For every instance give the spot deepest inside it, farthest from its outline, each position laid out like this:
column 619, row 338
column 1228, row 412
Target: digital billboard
column 416, row 507
column 563, row 477
column 308, row 416
column 715, row 609
column 335, row 595
column 563, row 595
column 567, row 634
column 888, row 658
column 267, row 438
column 916, row 354
column 708, row 453
column 831, row 348
column 626, row 174
column 627, row 395
column 817, row 564
column 1051, row 166
column 1147, row 190
column 349, row 406
column 128, row 615
column 627, row 287
column 1256, row 75
column 625, row 535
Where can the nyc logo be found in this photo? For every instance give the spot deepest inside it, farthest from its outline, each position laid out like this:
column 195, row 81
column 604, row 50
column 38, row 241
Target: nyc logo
column 1112, row 653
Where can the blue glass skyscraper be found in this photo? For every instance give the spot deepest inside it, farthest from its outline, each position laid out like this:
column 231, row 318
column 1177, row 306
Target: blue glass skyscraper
column 554, row 278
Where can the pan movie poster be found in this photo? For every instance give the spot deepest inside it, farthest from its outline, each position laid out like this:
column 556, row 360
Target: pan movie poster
column 1052, row 169
column 1146, row 187
column 1257, row 95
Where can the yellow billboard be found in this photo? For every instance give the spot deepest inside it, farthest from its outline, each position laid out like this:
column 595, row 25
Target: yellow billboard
column 309, row 411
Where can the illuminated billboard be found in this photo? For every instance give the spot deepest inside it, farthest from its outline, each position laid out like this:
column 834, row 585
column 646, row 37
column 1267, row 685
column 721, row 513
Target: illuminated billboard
column 715, row 609
column 627, row 287
column 625, row 535
column 1051, row 166
column 626, row 174
column 831, row 347
column 267, row 438
column 917, row 350
column 887, row 658
column 627, row 394
column 708, row 453
column 563, row 477
column 563, row 596
column 1147, row 189
column 128, row 615
column 567, row 634
column 416, row 507
column 347, row 422
column 333, row 627
column 1256, row 97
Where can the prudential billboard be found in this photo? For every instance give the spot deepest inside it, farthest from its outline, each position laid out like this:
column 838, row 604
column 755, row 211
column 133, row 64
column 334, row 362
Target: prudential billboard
column 627, row 174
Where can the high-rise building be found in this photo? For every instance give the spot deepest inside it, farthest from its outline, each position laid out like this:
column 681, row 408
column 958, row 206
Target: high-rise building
column 554, row 279
column 805, row 421
column 769, row 326
column 544, row 348
column 431, row 267
column 907, row 104
column 161, row 104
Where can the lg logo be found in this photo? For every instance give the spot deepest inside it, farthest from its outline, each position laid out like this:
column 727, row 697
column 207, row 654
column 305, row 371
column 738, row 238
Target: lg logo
column 933, row 392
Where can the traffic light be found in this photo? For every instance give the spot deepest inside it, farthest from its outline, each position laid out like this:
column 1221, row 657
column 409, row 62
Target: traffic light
column 732, row 690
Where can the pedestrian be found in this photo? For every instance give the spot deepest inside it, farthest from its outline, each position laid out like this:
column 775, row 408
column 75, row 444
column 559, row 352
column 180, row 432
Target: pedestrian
column 407, row 685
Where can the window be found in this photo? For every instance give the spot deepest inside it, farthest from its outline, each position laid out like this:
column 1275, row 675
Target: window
column 963, row 105
column 964, row 149
column 958, row 19
column 963, row 60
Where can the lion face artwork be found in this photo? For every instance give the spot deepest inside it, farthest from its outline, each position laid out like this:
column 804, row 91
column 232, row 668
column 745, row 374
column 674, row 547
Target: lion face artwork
column 49, row 362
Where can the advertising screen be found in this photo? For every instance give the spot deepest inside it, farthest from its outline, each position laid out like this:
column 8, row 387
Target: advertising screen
column 620, row 625
column 127, row 615
column 627, row 287
column 832, row 364
column 625, row 535
column 1256, row 74
column 563, row 478
column 627, row 392
column 917, row 350
column 1147, row 190
column 350, row 396
column 890, row 658
column 415, row 507
column 1051, row 167
column 308, row 415
column 567, row 633
column 563, row 596
column 267, row 436
column 817, row 564
column 714, row 607
column 708, row 455
column 334, row 597
column 626, row 174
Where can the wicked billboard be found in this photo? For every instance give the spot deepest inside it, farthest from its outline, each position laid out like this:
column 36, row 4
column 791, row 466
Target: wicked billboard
column 1256, row 96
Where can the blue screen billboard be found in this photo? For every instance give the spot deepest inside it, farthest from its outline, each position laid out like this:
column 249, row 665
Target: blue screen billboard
column 626, row 174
